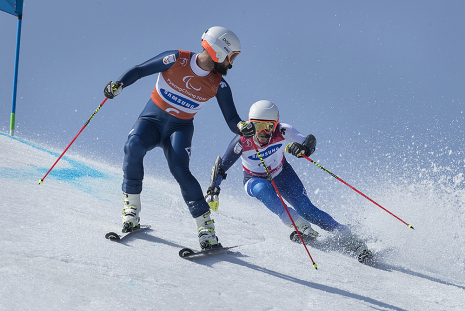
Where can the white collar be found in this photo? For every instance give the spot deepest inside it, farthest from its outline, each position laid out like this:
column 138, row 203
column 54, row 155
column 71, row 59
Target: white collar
column 196, row 69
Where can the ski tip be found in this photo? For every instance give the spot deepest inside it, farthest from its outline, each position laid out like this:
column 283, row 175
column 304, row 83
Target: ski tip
column 185, row 252
column 112, row 236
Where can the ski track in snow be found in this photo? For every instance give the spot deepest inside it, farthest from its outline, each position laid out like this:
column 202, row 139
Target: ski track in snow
column 55, row 257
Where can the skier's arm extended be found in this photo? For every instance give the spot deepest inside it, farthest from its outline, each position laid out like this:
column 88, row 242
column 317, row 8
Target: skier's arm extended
column 226, row 103
column 150, row 67
column 233, row 152
column 159, row 63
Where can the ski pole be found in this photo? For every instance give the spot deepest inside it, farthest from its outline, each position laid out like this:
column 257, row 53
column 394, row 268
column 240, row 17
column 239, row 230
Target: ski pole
column 282, row 201
column 338, row 178
column 95, row 112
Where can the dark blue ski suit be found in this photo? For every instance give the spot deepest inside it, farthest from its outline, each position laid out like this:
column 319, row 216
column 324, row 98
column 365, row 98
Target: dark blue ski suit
column 167, row 120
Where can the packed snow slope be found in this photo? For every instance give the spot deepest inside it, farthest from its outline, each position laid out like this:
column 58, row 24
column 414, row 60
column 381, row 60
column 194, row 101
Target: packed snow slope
column 54, row 255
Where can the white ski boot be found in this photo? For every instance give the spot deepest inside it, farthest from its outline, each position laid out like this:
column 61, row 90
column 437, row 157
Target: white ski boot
column 206, row 229
column 131, row 211
column 352, row 244
column 305, row 229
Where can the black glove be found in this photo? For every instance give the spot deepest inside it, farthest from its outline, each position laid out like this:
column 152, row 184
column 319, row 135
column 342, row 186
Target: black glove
column 310, row 142
column 306, row 148
column 113, row 89
column 246, row 129
column 296, row 149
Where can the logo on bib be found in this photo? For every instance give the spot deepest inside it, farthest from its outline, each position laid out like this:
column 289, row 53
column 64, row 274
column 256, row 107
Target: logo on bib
column 178, row 100
column 266, row 153
column 187, row 80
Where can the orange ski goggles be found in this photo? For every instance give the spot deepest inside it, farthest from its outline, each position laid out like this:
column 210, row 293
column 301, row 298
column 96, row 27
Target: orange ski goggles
column 267, row 126
column 232, row 56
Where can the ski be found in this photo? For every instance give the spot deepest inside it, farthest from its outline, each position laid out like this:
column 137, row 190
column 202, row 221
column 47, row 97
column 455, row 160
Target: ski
column 112, row 236
column 189, row 253
column 365, row 256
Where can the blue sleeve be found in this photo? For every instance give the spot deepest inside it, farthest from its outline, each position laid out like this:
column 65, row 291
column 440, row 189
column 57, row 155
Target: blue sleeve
column 233, row 152
column 150, row 67
column 226, row 103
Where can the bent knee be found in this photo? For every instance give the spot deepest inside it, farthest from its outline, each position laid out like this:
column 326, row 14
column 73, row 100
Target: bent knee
column 261, row 189
column 134, row 147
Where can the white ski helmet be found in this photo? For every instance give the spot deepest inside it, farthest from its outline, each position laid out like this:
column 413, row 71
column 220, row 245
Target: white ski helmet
column 264, row 110
column 221, row 43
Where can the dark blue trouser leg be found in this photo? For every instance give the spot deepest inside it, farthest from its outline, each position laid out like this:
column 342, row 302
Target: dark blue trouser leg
column 155, row 128
column 144, row 137
column 177, row 152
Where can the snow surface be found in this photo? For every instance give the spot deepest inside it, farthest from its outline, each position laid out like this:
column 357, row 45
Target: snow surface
column 54, row 255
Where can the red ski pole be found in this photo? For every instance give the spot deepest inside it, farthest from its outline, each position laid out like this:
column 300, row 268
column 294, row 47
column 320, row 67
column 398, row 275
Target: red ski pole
column 95, row 112
column 410, row 226
column 282, row 201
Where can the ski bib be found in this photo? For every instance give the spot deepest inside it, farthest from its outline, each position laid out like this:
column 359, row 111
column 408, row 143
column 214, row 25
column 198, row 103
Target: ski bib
column 272, row 153
column 182, row 90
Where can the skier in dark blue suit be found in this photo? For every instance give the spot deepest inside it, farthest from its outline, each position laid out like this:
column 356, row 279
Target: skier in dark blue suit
column 186, row 81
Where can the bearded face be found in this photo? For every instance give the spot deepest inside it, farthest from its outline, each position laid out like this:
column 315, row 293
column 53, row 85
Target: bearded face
column 222, row 68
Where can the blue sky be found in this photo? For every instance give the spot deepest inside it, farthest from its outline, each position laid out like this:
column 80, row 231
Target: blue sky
column 377, row 82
